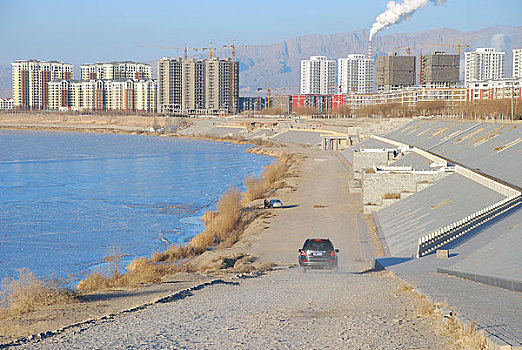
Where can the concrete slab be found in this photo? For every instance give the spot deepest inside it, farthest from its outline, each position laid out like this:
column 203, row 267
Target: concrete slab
column 417, row 162
column 445, row 202
column 300, row 137
column 426, row 133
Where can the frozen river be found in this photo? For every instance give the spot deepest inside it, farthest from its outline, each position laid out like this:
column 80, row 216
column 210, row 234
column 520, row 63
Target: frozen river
column 68, row 200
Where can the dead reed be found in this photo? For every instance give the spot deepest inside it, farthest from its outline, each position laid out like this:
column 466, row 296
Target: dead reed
column 27, row 293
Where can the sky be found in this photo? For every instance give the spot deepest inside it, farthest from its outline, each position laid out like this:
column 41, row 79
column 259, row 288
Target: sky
column 89, row 31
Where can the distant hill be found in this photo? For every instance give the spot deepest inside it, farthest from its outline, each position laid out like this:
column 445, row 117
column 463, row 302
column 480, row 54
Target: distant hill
column 279, row 64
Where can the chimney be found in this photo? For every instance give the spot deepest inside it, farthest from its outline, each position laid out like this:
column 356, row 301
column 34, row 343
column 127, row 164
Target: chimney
column 370, row 49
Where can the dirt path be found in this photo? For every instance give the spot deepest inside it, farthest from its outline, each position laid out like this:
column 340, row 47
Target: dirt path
column 322, row 207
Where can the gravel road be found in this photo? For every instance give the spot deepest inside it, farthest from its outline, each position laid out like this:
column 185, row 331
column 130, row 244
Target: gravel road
column 282, row 310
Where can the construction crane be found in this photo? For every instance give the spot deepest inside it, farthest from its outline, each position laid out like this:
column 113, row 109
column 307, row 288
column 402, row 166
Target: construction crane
column 457, row 45
column 173, row 48
column 404, row 48
column 233, row 47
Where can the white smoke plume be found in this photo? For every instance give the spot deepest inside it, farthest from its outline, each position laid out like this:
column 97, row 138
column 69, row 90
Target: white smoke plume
column 498, row 41
column 398, row 12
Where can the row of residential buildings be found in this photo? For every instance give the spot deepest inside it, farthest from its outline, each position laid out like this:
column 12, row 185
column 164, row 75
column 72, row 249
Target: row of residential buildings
column 125, row 86
column 393, row 72
column 183, row 86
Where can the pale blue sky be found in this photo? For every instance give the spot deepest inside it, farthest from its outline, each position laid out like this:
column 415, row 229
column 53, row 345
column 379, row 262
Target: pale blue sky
column 85, row 31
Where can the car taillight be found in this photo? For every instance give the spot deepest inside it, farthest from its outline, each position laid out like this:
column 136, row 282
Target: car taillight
column 303, row 253
column 332, row 253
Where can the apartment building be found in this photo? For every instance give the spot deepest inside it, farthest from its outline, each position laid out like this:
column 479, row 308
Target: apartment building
column 219, row 86
column 395, row 72
column 495, row 89
column 6, row 104
column 116, row 71
column 30, row 82
column 193, row 89
column 145, row 95
column 355, row 74
column 517, row 63
column 440, row 70
column 103, row 95
column 198, row 86
column 318, row 76
column 483, row 64
column 169, row 85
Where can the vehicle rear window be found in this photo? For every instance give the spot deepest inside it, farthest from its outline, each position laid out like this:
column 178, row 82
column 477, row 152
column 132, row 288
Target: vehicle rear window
column 318, row 245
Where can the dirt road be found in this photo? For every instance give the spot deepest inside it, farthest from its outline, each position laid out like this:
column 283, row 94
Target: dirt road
column 321, row 208
column 284, row 309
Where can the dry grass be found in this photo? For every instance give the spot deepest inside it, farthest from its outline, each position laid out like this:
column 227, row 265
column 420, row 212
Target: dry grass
column 139, row 271
column 259, row 187
column 255, row 189
column 27, row 293
column 235, row 263
column 464, row 336
column 392, row 196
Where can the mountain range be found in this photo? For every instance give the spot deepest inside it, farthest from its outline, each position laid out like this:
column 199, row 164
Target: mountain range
column 278, row 65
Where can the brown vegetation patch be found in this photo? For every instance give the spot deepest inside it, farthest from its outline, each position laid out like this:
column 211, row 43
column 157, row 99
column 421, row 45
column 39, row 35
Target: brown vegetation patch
column 392, row 196
column 27, row 293
column 443, row 203
column 464, row 336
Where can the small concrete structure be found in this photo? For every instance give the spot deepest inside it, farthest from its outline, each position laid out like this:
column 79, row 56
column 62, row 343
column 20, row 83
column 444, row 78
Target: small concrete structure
column 334, row 142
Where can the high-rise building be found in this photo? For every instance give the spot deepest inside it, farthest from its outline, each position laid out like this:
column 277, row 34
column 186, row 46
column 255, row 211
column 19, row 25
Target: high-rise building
column 355, row 74
column 219, row 85
column 395, row 72
column 169, row 85
column 484, row 64
column 198, row 86
column 440, row 70
column 116, row 70
column 517, row 63
column 194, row 86
column 318, row 76
column 30, row 78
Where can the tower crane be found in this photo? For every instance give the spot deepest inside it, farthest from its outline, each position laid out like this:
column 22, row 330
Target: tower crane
column 407, row 48
column 173, row 48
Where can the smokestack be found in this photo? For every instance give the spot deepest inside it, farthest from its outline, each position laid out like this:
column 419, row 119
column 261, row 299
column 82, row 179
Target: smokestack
column 370, row 49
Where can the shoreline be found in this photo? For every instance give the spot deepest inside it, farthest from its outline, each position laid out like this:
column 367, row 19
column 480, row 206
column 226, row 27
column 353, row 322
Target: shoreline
column 115, row 292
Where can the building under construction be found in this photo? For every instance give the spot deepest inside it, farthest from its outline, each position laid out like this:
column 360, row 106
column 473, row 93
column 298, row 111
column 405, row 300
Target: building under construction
column 395, row 72
column 439, row 70
column 209, row 86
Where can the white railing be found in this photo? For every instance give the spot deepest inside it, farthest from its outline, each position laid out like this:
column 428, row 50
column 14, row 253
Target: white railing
column 444, row 235
column 487, row 182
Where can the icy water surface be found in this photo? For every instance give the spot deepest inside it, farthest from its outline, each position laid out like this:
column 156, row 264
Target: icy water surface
column 67, row 200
